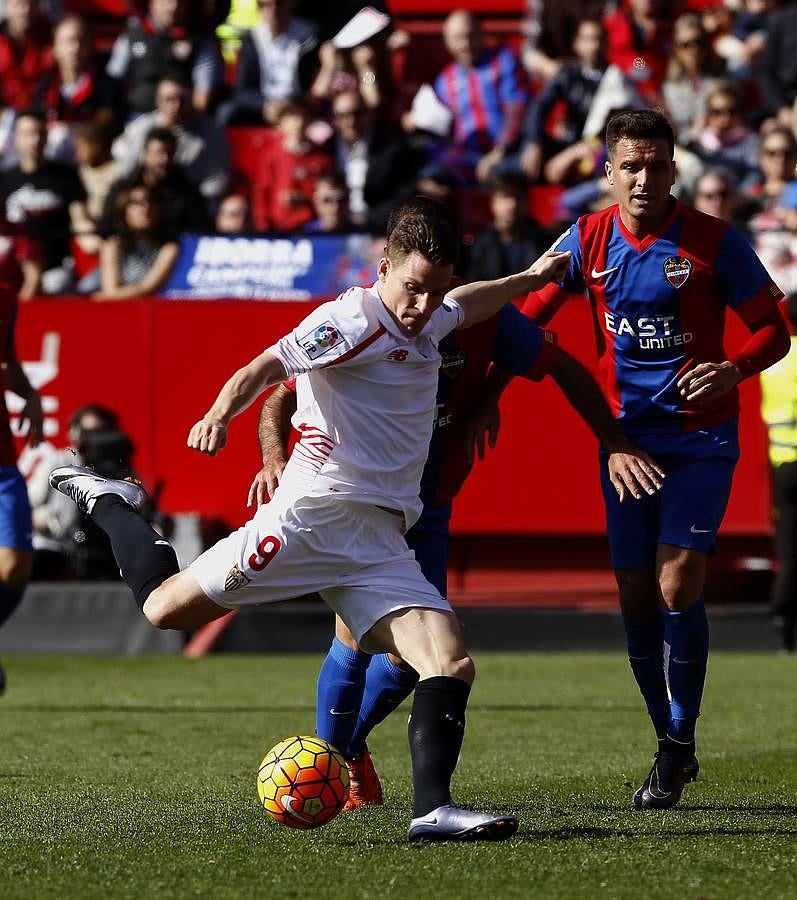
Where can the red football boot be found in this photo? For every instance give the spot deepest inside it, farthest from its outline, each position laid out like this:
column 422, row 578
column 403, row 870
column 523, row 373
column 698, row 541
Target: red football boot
column 365, row 789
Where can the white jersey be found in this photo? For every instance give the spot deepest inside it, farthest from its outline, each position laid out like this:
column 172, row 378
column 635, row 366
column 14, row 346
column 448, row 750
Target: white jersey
column 365, row 401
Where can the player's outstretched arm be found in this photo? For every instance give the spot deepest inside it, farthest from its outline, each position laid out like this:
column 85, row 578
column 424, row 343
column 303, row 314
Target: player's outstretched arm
column 209, row 434
column 273, row 428
column 482, row 299
column 631, row 471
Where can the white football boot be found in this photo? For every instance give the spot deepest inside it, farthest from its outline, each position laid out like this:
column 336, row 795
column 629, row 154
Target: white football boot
column 84, row 486
column 450, row 823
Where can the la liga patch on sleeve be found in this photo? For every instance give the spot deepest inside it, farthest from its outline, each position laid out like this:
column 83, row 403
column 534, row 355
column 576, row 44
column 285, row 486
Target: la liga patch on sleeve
column 320, row 341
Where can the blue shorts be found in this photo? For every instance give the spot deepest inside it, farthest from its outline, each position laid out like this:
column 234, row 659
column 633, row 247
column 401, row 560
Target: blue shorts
column 428, row 538
column 688, row 510
column 16, row 529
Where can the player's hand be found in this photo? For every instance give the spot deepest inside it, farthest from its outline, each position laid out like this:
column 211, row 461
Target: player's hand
column 208, row 436
column 33, row 415
column 633, row 473
column 266, row 482
column 486, row 420
column 551, row 266
column 707, row 382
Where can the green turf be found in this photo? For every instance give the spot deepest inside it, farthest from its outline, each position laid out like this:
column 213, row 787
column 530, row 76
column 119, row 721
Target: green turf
column 136, row 778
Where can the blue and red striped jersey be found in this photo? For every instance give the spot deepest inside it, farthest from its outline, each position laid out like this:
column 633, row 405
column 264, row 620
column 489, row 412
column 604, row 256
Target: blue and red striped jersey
column 508, row 339
column 658, row 306
column 487, row 100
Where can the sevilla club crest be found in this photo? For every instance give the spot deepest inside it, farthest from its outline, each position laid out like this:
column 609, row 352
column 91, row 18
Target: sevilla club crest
column 677, row 269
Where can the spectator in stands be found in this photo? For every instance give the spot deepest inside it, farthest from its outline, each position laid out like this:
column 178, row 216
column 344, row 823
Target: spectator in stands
column 137, row 259
column 283, row 191
column 158, row 43
column 277, row 62
column 96, row 167
column 331, row 205
column 73, row 91
column 55, row 520
column 234, row 215
column 778, row 64
column 639, row 42
column 777, row 163
column 485, row 90
column 514, row 236
column 25, row 54
column 185, row 208
column 725, row 140
column 572, row 91
column 716, row 194
column 379, row 165
column 202, row 148
column 549, row 29
column 52, row 10
column 693, row 71
column 777, row 248
column 741, row 46
column 778, row 412
column 48, row 203
column 364, row 66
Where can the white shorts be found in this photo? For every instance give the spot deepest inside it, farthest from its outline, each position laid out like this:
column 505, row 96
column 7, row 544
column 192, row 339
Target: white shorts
column 353, row 554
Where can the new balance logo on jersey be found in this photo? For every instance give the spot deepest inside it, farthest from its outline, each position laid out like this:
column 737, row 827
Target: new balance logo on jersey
column 398, row 355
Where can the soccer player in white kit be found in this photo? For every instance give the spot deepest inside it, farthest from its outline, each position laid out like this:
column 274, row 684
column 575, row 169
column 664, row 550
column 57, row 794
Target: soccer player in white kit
column 366, row 367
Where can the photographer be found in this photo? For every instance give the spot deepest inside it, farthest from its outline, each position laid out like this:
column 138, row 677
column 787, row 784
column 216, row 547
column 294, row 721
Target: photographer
column 67, row 545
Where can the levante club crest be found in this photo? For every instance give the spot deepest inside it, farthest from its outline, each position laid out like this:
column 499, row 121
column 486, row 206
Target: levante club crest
column 676, row 270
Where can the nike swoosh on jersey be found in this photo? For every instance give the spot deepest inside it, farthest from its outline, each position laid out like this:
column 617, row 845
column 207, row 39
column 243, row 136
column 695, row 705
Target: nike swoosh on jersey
column 700, row 530
column 596, row 274
column 340, row 712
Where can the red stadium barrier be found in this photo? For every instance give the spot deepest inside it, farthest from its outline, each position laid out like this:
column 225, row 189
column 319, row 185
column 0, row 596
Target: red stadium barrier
column 159, row 364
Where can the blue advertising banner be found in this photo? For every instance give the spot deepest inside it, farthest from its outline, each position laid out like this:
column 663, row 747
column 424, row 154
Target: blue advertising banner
column 271, row 268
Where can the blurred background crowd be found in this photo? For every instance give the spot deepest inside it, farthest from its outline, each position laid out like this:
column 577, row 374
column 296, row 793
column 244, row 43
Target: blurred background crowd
column 125, row 125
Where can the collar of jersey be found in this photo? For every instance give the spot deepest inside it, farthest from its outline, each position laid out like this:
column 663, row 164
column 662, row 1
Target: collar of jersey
column 649, row 239
column 386, row 319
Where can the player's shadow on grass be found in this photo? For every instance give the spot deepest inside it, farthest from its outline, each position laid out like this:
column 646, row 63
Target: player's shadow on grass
column 589, row 832
column 165, row 709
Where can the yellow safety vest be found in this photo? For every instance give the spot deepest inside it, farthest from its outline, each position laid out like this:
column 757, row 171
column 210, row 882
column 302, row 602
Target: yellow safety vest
column 244, row 14
column 779, row 407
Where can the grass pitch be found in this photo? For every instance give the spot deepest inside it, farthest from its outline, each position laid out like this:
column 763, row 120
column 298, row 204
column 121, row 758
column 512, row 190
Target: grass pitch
column 136, row 778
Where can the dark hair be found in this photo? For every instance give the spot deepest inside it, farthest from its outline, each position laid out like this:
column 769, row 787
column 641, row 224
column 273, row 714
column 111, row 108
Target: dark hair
column 333, row 179
column 33, row 112
column 508, row 183
column 422, row 225
column 639, row 124
column 127, row 238
column 164, row 135
column 108, row 417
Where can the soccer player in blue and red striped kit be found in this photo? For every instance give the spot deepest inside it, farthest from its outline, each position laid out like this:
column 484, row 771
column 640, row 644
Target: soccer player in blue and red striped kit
column 356, row 691
column 660, row 277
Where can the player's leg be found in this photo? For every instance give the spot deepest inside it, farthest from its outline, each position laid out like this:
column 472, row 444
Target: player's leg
column 431, row 641
column 340, row 688
column 16, row 549
column 390, row 680
column 148, row 564
column 692, row 505
column 784, row 597
column 632, row 529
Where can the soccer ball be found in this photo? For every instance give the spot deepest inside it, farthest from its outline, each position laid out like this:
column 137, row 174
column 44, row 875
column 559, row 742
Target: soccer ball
column 303, row 782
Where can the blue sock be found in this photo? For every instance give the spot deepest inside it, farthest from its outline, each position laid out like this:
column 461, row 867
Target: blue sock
column 687, row 635
column 341, row 682
column 386, row 686
column 9, row 601
column 645, row 640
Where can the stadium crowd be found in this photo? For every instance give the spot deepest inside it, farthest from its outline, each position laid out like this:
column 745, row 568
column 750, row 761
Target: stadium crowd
column 113, row 145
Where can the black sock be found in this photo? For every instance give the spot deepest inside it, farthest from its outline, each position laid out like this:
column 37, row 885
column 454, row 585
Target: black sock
column 436, row 729
column 144, row 558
